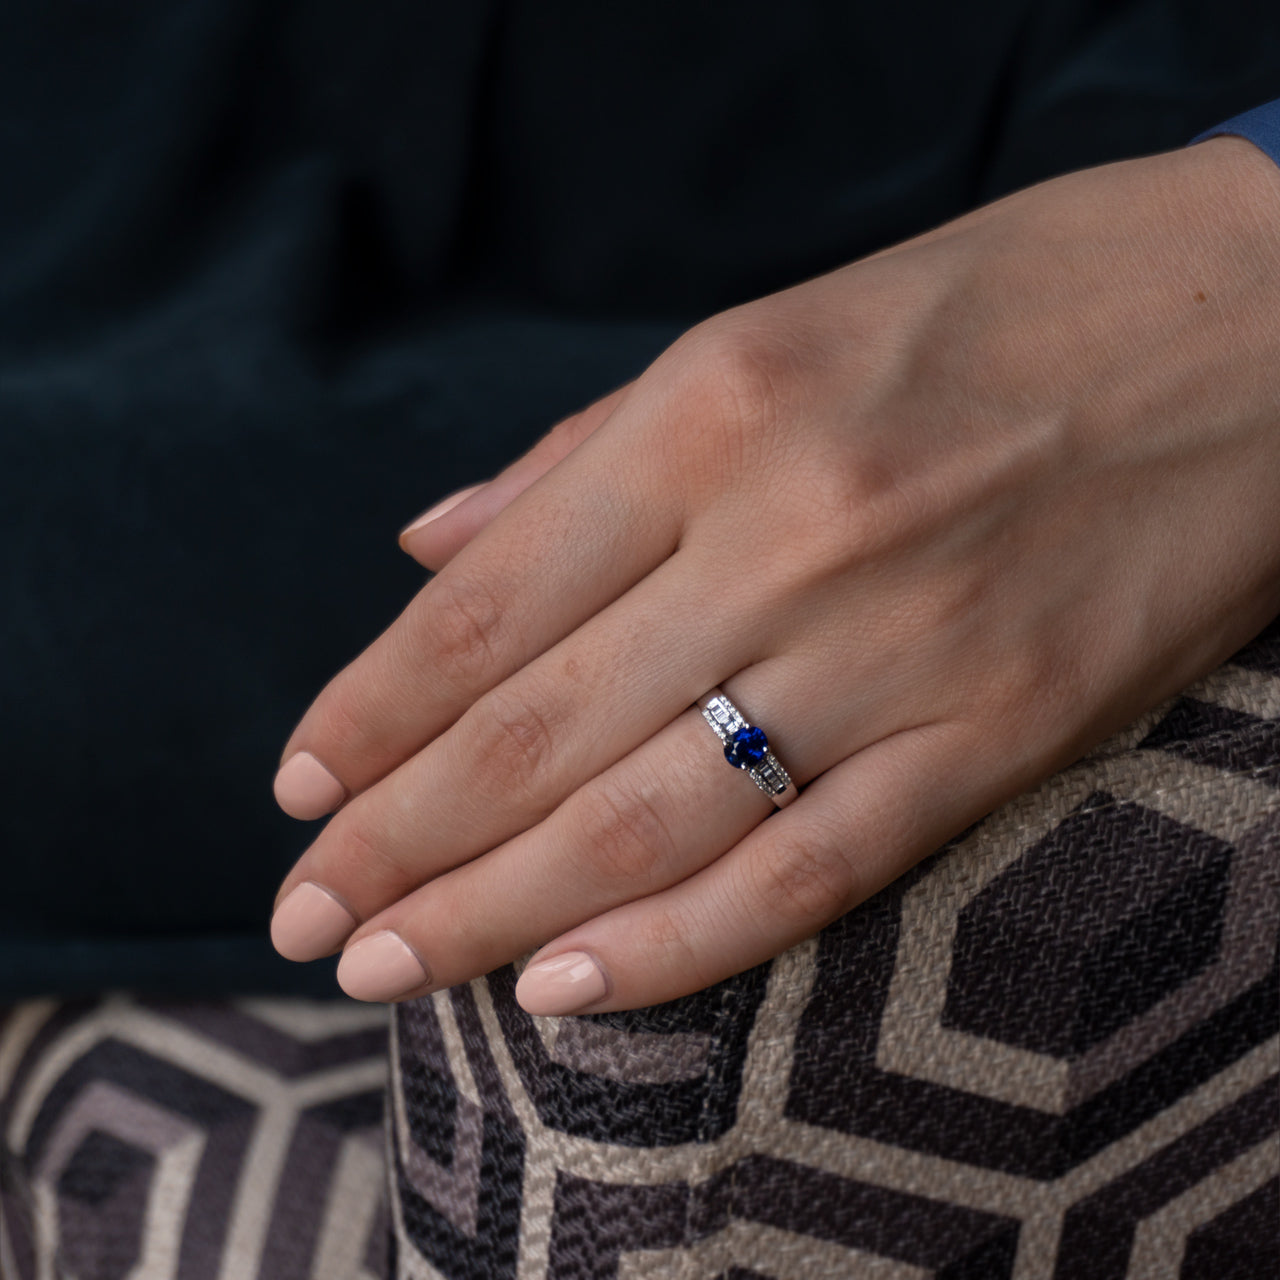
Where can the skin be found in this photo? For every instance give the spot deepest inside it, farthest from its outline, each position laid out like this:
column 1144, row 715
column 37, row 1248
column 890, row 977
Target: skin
column 941, row 521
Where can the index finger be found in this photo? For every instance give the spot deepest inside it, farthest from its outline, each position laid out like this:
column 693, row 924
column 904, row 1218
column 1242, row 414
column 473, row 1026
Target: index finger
column 590, row 529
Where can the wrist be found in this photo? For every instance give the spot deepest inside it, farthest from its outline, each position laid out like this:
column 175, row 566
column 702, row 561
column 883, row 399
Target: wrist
column 1231, row 204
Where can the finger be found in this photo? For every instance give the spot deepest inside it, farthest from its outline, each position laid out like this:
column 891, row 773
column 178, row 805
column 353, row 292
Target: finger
column 436, row 536
column 654, row 818
column 632, row 814
column 853, row 831
column 435, row 513
column 527, row 745
column 549, row 562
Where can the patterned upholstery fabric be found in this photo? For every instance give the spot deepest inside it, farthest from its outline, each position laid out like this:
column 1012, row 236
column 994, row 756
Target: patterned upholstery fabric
column 1049, row 1051
column 192, row 1142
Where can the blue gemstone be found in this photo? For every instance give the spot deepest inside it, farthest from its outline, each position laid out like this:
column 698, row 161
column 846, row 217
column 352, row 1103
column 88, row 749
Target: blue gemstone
column 747, row 747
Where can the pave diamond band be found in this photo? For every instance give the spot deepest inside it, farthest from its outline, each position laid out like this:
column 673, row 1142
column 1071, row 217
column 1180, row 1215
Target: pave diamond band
column 746, row 747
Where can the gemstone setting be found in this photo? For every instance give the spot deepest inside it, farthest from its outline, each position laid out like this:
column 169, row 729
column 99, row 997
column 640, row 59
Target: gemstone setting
column 746, row 748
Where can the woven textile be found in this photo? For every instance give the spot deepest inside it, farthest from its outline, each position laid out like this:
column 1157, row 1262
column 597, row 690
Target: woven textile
column 192, row 1142
column 1049, row 1051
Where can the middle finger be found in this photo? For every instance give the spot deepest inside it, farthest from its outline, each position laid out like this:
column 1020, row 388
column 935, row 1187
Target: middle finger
column 529, row 743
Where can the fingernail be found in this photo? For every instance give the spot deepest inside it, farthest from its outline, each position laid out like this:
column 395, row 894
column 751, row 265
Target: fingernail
column 443, row 507
column 380, row 967
column 564, row 984
column 306, row 789
column 310, row 923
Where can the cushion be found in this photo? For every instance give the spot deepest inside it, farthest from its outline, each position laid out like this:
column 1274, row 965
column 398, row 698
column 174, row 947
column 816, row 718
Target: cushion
column 1050, row 1049
column 237, row 1139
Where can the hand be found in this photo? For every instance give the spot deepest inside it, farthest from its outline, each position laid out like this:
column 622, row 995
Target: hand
column 938, row 521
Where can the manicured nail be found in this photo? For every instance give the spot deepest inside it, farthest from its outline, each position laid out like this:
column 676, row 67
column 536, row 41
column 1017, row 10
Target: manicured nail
column 306, row 789
column 380, row 967
column 443, row 507
column 310, row 923
column 563, row 984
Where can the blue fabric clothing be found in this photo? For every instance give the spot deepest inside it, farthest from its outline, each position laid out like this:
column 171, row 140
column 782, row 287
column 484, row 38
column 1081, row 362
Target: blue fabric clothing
column 1261, row 126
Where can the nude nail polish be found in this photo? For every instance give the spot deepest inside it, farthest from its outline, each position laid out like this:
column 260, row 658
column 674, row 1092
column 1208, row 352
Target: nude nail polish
column 380, row 967
column 442, row 508
column 310, row 923
column 563, row 984
column 306, row 789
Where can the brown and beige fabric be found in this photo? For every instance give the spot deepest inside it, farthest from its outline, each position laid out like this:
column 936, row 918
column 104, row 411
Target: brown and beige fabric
column 1049, row 1052
column 146, row 1141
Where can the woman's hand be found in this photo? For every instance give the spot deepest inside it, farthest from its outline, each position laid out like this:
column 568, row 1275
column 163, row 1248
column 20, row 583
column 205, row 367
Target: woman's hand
column 939, row 522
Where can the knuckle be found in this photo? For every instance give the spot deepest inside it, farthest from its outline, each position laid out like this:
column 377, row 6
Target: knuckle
column 467, row 629
column 512, row 745
column 624, row 835
column 733, row 380
column 850, row 508
column 1032, row 690
column 664, row 938
column 373, row 864
column 743, row 369
column 805, row 881
column 344, row 732
column 568, row 433
column 832, row 523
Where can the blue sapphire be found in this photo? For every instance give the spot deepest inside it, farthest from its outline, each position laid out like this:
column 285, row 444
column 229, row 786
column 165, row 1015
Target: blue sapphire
column 746, row 748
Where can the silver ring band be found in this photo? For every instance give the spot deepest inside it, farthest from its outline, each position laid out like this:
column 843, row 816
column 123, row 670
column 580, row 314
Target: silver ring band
column 746, row 747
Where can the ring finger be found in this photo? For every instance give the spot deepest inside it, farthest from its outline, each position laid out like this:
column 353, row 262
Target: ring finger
column 667, row 810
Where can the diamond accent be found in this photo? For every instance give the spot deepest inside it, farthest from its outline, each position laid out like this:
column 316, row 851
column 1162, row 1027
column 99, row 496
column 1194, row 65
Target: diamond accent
column 728, row 722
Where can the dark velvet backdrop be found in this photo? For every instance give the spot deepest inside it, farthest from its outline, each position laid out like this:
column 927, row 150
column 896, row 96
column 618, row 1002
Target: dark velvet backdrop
column 274, row 276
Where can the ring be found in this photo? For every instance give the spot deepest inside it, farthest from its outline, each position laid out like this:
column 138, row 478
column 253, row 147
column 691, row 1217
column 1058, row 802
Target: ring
column 747, row 747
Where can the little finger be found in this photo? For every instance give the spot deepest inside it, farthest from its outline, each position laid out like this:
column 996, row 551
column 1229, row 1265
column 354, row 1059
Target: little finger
column 853, row 831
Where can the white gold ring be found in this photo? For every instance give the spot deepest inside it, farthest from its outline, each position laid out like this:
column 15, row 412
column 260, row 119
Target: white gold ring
column 747, row 747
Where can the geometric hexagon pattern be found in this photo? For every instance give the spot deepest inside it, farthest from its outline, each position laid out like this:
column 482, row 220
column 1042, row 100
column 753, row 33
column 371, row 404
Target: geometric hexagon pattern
column 1050, row 1052
column 149, row 1141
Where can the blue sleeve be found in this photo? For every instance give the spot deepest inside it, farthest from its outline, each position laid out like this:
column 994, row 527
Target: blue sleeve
column 1261, row 126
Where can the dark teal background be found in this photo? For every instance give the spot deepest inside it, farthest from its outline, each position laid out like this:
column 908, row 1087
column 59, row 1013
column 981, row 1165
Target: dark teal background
column 275, row 276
